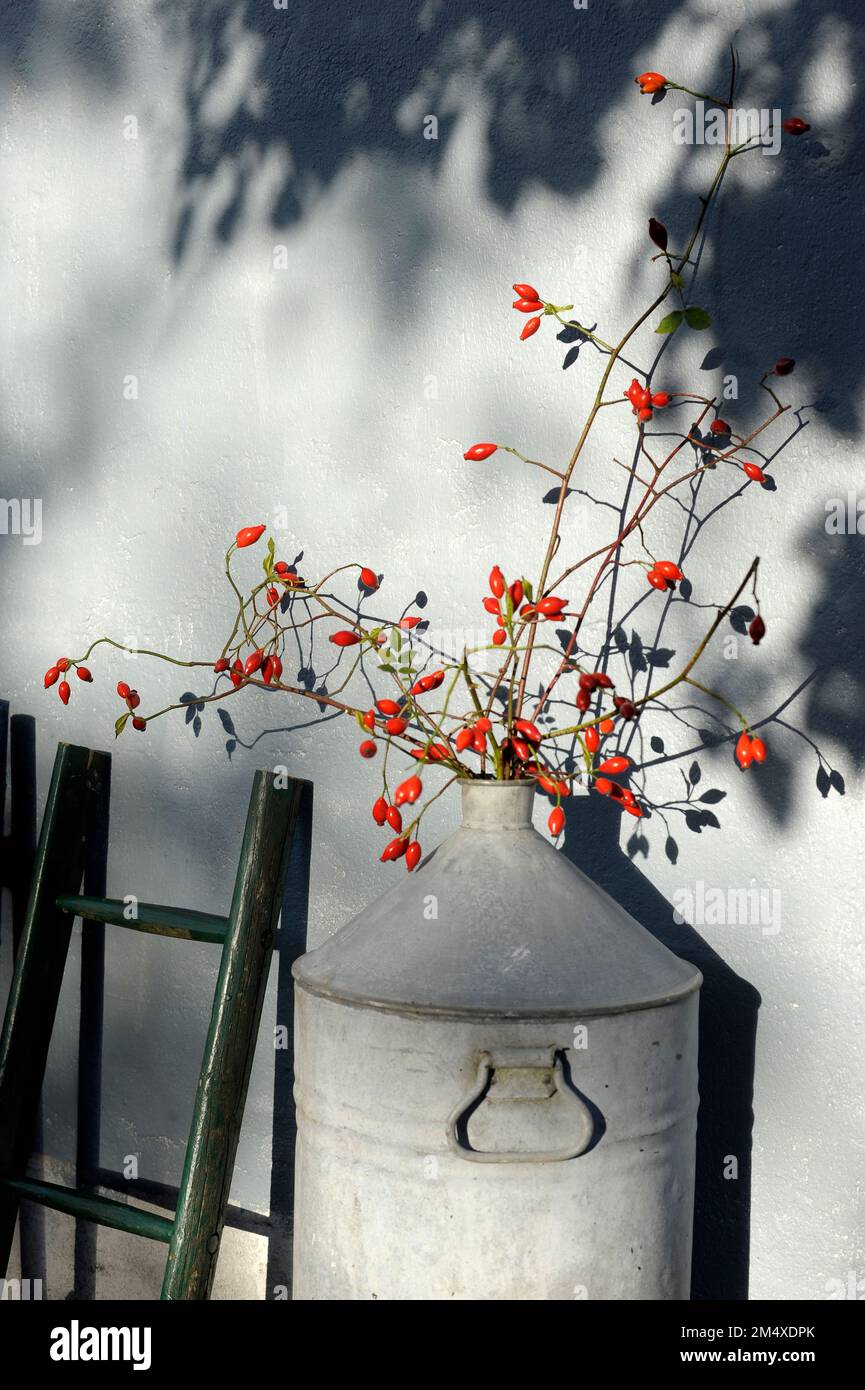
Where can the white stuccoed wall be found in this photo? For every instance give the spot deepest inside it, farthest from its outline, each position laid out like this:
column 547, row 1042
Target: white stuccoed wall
column 340, row 393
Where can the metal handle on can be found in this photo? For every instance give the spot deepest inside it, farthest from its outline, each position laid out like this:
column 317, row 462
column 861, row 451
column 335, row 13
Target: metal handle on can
column 552, row 1080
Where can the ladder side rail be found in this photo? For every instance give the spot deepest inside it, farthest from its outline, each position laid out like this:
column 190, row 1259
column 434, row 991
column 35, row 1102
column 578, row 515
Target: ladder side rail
column 41, row 959
column 228, row 1053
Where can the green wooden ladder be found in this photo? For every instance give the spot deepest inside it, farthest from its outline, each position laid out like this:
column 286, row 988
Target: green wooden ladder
column 246, row 935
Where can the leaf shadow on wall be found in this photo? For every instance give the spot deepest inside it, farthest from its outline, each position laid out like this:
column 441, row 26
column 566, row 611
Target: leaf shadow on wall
column 801, row 209
column 366, row 83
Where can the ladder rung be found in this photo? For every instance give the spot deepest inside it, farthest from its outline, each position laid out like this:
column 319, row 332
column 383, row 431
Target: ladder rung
column 150, row 917
column 89, row 1207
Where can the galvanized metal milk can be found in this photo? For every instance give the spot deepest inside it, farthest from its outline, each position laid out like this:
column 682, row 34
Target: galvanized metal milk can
column 496, row 1082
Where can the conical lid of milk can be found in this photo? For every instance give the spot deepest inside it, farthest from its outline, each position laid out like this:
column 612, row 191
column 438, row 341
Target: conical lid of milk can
column 496, row 923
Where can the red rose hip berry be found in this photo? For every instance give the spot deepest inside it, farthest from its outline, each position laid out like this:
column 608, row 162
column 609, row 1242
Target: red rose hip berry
column 650, row 82
column 248, row 535
column 478, row 452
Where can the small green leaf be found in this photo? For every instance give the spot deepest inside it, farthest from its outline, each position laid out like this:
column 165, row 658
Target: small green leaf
column 397, row 640
column 120, row 725
column 391, row 670
column 527, row 589
column 697, row 318
column 677, row 279
column 267, row 562
column 671, row 322
column 360, row 724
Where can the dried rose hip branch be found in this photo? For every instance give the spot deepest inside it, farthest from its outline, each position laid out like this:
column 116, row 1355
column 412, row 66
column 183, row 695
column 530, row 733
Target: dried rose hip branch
column 476, row 725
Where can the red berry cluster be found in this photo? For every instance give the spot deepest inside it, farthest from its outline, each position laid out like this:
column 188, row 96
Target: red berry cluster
column 474, row 736
column 550, row 607
column 132, row 700
column 493, row 604
column 646, row 402
column 750, row 749
column 528, row 301
column 664, row 575
column 403, row 847
column 53, row 674
column 621, row 796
